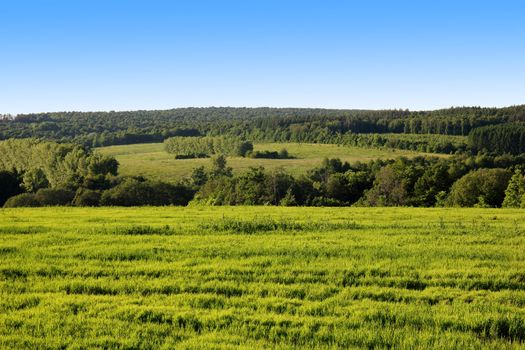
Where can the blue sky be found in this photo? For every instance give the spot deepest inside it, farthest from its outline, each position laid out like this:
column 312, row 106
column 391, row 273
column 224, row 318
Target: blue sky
column 153, row 54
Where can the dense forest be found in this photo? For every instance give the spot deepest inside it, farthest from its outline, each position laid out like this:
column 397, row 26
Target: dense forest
column 257, row 124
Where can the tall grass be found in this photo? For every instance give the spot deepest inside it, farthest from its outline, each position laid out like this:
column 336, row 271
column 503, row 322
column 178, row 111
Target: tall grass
column 261, row 277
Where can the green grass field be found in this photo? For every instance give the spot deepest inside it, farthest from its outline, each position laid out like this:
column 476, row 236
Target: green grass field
column 261, row 277
column 150, row 160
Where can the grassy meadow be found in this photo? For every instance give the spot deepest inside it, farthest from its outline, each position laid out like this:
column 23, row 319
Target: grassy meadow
column 152, row 161
column 261, row 277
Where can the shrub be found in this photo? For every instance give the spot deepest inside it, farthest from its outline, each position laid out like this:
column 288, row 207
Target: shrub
column 483, row 187
column 22, row 200
column 132, row 192
column 87, row 198
column 54, row 197
column 282, row 154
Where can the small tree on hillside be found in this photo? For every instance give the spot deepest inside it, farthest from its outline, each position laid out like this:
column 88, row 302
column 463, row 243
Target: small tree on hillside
column 219, row 167
column 515, row 192
column 198, row 177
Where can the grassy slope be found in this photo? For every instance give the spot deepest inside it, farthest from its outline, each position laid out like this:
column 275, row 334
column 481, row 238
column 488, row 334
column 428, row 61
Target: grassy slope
column 152, row 161
column 217, row 278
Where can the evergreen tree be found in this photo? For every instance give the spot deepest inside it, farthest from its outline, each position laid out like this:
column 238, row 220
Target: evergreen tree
column 515, row 191
column 219, row 167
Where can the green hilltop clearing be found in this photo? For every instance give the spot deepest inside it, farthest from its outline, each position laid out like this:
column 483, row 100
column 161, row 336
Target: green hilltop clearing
column 152, row 161
column 261, row 277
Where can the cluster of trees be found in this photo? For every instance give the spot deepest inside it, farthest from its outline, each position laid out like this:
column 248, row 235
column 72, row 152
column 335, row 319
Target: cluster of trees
column 269, row 124
column 498, row 139
column 200, row 147
column 431, row 143
column 50, row 164
column 44, row 173
column 126, row 192
column 282, row 154
column 131, row 137
column 482, row 181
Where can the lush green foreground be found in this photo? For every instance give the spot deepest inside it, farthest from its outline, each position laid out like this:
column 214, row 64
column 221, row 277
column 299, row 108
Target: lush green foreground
column 152, row 161
column 262, row 277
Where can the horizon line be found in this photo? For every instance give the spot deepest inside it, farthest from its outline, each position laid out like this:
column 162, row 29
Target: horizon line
column 262, row 107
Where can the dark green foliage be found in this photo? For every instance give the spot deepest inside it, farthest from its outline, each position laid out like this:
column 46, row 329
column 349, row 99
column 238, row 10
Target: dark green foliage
column 390, row 189
column 337, row 187
column 198, row 177
column 132, row 192
column 9, row 186
column 357, row 182
column 432, row 143
column 483, row 187
column 282, row 154
column 244, row 148
column 87, row 198
column 219, row 167
column 435, row 180
column 48, row 197
column 499, row 139
column 97, row 182
column 394, row 184
column 403, row 182
column 22, row 200
column 255, row 187
column 99, row 164
column 276, row 124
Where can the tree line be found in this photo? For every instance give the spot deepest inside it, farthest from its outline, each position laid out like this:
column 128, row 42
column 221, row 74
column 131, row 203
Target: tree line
column 498, row 139
column 482, row 181
column 44, row 173
column 430, row 143
column 92, row 129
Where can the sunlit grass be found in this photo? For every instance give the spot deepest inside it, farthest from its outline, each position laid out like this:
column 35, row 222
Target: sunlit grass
column 152, row 161
column 261, row 277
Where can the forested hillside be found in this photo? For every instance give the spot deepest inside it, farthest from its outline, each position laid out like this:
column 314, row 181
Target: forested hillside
column 56, row 166
column 270, row 124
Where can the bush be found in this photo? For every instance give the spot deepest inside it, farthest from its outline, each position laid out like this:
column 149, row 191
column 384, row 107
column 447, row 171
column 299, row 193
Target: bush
column 132, row 192
column 54, row 197
column 22, row 200
column 87, row 198
column 483, row 187
column 282, row 154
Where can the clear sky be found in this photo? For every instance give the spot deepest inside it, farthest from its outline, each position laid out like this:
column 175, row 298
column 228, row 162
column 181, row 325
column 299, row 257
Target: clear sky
column 152, row 54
